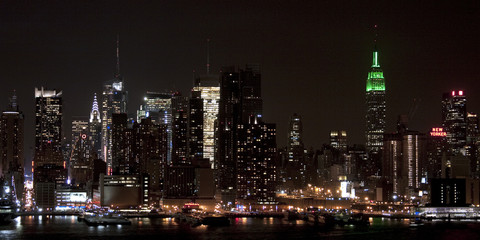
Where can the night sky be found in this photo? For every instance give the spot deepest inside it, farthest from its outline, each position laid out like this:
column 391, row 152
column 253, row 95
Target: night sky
column 314, row 55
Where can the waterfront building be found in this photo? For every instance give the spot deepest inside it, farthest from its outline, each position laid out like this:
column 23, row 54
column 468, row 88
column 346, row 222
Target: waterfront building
column 12, row 146
column 256, row 173
column 404, row 163
column 240, row 99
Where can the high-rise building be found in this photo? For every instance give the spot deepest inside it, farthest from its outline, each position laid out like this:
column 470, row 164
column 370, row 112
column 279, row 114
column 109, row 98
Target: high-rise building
column 256, row 174
column 114, row 100
column 11, row 139
column 11, row 145
column 120, row 145
column 454, row 118
column 239, row 100
column 296, row 156
column 48, row 127
column 209, row 89
column 195, row 126
column 180, row 106
column 158, row 106
column 338, row 140
column 95, row 128
column 437, row 149
column 376, row 106
column 404, row 162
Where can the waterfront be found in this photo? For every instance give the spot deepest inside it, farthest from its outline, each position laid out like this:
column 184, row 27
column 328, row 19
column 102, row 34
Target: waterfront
column 67, row 227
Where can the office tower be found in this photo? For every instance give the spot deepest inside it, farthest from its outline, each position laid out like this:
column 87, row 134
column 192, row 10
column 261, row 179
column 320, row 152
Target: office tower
column 437, row 149
column 471, row 147
column 209, row 89
column 454, row 114
column 296, row 156
column 404, row 162
column 79, row 159
column 338, row 140
column 80, row 142
column 95, row 129
column 376, row 106
column 256, row 174
column 120, row 163
column 472, row 128
column 180, row 107
column 114, row 100
column 151, row 150
column 48, row 127
column 195, row 126
column 237, row 87
column 158, row 106
column 11, row 145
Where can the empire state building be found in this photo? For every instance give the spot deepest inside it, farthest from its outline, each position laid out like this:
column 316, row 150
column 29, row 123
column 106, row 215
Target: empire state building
column 375, row 102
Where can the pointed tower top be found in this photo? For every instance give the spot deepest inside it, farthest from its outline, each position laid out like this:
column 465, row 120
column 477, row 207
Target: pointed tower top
column 13, row 106
column 208, row 56
column 375, row 52
column 117, row 74
column 95, row 113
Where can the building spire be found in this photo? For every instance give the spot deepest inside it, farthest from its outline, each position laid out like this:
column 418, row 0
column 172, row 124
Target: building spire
column 208, row 56
column 375, row 52
column 117, row 74
column 13, row 102
column 95, row 113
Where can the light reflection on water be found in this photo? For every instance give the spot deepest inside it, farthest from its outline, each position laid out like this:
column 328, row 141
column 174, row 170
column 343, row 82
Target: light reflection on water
column 62, row 227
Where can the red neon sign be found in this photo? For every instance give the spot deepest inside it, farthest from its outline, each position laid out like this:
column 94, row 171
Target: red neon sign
column 438, row 132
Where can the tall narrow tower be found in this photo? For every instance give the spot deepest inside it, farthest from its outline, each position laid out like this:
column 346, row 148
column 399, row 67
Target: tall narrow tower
column 114, row 100
column 375, row 101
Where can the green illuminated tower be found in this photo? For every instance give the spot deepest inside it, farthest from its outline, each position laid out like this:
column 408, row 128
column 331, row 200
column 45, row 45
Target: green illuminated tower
column 375, row 101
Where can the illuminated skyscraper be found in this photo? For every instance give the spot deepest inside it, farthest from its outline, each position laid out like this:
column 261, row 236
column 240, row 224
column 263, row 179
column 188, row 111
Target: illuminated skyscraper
column 209, row 88
column 11, row 145
column 296, row 156
column 240, row 100
column 454, row 118
column 195, row 126
column 376, row 106
column 48, row 127
column 338, row 140
column 114, row 100
column 180, row 107
column 158, row 107
column 11, row 139
column 256, row 173
column 95, row 128
column 405, row 162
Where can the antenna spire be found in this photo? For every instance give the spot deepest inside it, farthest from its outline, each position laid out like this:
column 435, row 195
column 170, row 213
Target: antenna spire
column 208, row 56
column 118, row 56
column 375, row 52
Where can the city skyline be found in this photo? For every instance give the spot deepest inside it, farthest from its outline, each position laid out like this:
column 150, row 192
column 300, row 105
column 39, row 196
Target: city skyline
column 330, row 61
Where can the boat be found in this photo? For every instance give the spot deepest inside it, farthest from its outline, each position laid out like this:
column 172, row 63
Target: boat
column 316, row 218
column 106, row 219
column 215, row 220
column 416, row 223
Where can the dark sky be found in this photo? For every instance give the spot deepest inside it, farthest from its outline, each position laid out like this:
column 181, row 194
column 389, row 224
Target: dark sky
column 314, row 55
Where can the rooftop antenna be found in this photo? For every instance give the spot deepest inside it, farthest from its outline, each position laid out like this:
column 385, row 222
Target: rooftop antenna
column 118, row 56
column 208, row 56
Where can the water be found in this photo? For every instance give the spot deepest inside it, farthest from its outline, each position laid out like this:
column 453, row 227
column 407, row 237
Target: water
column 67, row 227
